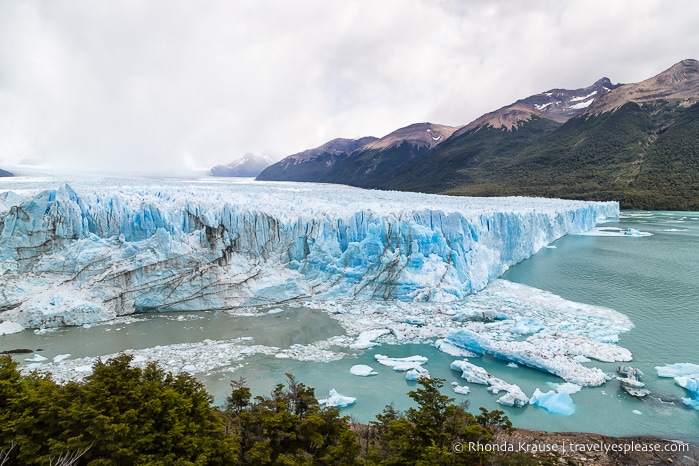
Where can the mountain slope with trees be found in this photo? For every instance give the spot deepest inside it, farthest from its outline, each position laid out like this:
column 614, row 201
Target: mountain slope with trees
column 633, row 143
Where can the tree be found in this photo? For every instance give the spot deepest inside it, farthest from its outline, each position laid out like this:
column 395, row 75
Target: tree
column 428, row 434
column 288, row 427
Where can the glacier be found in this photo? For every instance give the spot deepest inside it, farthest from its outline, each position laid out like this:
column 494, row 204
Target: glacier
column 92, row 249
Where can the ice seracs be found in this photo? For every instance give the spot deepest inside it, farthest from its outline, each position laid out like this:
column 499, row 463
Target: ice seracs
column 113, row 247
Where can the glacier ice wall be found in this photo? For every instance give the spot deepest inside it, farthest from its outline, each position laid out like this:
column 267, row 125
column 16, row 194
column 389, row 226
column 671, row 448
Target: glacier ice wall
column 94, row 249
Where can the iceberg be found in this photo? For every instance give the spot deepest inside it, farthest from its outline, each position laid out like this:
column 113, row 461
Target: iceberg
column 514, row 396
column 362, row 370
column 335, row 400
column 631, row 381
column 8, row 327
column 553, row 402
column 460, row 389
column 686, row 375
column 680, row 369
column 416, row 372
column 111, row 247
column 366, row 339
column 401, row 364
column 549, row 353
column 36, row 358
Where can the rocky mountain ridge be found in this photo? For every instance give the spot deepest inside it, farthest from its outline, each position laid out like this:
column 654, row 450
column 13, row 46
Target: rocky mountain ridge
column 636, row 143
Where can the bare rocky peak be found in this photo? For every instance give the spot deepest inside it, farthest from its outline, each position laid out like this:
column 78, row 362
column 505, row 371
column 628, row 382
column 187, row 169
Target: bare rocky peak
column 418, row 134
column 556, row 104
column 335, row 147
column 679, row 83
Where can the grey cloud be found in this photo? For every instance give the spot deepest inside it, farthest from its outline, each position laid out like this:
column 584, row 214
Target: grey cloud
column 164, row 85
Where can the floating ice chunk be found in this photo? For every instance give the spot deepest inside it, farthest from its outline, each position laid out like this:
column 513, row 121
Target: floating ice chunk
column 680, row 369
column 461, row 389
column 61, row 357
column 512, row 364
column 694, row 404
column 471, row 372
column 8, row 327
column 635, row 411
column 335, row 400
column 276, row 310
column 514, row 396
column 692, row 386
column 366, row 339
column 416, row 372
column 453, row 350
column 36, row 358
column 568, row 388
column 553, row 402
column 614, row 231
column 549, row 353
column 401, row 364
column 689, row 383
column 362, row 370
column 189, row 368
column 631, row 383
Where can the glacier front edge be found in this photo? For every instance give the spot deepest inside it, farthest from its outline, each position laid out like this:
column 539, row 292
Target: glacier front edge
column 93, row 249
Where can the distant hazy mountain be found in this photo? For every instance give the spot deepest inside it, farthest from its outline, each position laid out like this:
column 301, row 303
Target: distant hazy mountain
column 249, row 165
column 5, row 173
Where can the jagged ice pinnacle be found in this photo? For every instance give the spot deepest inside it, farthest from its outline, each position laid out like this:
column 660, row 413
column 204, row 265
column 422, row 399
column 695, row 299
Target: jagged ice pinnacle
column 90, row 250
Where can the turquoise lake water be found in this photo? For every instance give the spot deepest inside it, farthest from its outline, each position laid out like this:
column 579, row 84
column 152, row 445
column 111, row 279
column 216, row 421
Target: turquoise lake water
column 653, row 279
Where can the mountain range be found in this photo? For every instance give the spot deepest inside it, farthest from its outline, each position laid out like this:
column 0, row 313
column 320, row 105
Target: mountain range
column 635, row 143
column 5, row 173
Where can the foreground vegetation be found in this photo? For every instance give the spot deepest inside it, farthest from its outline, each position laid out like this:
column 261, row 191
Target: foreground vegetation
column 124, row 415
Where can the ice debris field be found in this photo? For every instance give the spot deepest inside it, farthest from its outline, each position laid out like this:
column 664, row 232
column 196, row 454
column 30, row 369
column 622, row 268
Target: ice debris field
column 390, row 267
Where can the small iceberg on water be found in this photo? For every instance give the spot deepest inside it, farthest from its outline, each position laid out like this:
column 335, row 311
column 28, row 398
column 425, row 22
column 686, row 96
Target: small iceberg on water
column 335, row 400
column 686, row 375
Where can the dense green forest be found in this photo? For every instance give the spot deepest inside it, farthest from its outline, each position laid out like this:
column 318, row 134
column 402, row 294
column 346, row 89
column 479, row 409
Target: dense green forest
column 644, row 156
column 124, row 415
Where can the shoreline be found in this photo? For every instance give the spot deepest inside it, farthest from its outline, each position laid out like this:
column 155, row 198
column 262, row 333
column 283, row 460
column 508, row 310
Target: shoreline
column 601, row 450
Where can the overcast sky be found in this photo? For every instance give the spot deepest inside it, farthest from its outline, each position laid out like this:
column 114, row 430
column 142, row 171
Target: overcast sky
column 169, row 85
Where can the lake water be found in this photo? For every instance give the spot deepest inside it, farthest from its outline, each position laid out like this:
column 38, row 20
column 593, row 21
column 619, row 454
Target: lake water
column 653, row 279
